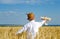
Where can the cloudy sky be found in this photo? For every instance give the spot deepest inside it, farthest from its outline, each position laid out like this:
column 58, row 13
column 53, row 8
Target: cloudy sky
column 14, row 11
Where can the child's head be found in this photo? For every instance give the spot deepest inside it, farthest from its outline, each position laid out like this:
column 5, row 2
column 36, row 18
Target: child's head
column 30, row 16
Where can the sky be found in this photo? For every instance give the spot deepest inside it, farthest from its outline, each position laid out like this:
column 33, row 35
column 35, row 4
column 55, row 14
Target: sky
column 14, row 11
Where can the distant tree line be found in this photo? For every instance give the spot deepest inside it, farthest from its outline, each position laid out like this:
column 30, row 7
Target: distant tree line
column 8, row 25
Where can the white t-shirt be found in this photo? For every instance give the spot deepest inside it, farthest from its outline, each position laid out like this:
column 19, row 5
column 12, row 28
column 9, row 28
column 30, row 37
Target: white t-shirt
column 32, row 27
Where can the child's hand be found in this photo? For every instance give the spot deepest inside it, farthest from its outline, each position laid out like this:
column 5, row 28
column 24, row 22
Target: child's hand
column 19, row 34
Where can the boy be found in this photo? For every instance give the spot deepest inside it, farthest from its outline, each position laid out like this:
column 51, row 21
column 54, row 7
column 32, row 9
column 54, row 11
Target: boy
column 33, row 26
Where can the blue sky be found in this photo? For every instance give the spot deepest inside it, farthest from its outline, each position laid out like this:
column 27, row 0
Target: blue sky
column 14, row 11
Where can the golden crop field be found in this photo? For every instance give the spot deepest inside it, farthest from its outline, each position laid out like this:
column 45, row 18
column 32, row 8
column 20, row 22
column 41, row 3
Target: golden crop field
column 44, row 33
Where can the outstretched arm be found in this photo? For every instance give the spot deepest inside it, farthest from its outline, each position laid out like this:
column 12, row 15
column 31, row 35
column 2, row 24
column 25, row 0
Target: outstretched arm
column 43, row 22
column 45, row 19
column 21, row 30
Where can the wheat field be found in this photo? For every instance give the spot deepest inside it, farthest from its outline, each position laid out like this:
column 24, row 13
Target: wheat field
column 44, row 33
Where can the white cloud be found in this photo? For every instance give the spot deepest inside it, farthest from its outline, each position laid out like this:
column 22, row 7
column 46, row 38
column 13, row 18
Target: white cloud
column 14, row 1
column 15, row 12
column 23, row 1
column 8, row 13
column 5, row 1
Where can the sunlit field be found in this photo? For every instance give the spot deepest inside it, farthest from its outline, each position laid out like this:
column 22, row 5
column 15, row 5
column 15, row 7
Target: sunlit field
column 46, row 32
